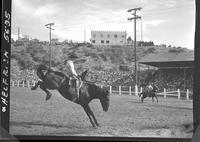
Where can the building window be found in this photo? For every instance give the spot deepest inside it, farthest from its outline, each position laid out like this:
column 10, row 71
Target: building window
column 93, row 41
column 107, row 41
column 108, row 36
column 115, row 36
column 123, row 36
column 102, row 41
column 94, row 35
column 101, row 35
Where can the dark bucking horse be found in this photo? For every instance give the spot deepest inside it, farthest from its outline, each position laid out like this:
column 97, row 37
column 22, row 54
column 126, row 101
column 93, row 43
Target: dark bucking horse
column 54, row 80
column 148, row 92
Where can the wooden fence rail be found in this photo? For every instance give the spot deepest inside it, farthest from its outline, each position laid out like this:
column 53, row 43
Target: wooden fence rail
column 120, row 90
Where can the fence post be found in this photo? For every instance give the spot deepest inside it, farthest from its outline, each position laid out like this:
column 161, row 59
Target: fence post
column 140, row 89
column 179, row 94
column 130, row 90
column 101, row 86
column 165, row 94
column 28, row 84
column 110, row 89
column 136, row 90
column 120, row 90
column 18, row 83
column 13, row 83
column 187, row 94
column 23, row 84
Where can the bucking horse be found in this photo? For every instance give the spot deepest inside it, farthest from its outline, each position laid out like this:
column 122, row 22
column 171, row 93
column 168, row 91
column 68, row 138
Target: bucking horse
column 56, row 80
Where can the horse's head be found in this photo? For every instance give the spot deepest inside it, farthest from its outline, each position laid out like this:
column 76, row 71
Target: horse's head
column 105, row 99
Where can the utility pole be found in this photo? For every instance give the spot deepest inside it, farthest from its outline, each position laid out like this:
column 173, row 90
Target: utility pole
column 141, row 30
column 18, row 33
column 84, row 35
column 49, row 27
column 135, row 18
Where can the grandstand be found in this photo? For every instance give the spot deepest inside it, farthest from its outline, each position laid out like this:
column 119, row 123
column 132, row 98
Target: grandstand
column 174, row 69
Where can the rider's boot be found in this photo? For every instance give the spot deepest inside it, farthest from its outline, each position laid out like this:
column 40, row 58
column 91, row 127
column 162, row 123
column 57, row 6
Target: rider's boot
column 48, row 96
column 76, row 98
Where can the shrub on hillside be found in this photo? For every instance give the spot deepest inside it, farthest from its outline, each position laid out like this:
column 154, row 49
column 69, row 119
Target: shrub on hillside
column 176, row 50
column 150, row 50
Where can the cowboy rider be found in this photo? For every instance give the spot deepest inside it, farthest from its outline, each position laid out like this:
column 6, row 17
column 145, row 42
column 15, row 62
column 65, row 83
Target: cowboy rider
column 150, row 87
column 71, row 72
column 153, row 87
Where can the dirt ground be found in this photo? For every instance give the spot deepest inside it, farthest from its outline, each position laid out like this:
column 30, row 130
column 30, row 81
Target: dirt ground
column 126, row 117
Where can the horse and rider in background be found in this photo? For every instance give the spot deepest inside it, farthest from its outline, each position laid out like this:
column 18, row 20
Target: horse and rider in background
column 149, row 90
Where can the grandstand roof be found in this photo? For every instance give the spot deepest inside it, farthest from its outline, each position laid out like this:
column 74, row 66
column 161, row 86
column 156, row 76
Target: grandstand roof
column 169, row 60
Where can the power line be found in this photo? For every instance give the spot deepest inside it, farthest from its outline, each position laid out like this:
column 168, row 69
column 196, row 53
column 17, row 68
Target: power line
column 167, row 10
column 147, row 12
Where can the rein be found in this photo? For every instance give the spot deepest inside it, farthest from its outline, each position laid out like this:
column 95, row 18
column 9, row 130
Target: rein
column 62, row 81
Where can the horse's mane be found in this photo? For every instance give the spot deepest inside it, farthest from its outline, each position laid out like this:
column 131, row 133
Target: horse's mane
column 40, row 68
column 83, row 74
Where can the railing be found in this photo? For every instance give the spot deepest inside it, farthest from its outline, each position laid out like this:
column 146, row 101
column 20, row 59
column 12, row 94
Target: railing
column 18, row 83
column 177, row 93
column 122, row 90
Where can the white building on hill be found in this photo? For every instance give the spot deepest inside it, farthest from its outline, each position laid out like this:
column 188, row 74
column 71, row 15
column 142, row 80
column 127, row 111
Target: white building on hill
column 20, row 36
column 108, row 37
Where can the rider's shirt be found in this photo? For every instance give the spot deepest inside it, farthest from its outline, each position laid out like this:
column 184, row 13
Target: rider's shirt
column 150, row 87
column 70, row 68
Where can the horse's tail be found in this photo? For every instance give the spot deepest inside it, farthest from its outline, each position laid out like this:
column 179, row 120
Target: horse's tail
column 40, row 68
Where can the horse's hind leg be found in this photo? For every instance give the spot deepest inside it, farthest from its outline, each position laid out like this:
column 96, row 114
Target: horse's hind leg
column 43, row 87
column 142, row 99
column 156, row 98
column 152, row 98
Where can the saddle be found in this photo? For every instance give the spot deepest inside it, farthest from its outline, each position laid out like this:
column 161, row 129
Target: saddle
column 75, row 82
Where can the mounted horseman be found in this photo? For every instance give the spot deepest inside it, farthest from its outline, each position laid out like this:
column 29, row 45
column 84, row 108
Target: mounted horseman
column 149, row 91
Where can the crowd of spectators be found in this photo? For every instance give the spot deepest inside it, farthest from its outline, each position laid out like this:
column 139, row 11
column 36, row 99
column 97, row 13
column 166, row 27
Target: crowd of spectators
column 25, row 75
column 169, row 79
column 108, row 77
column 173, row 79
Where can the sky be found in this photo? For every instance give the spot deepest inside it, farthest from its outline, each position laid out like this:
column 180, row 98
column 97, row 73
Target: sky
column 170, row 22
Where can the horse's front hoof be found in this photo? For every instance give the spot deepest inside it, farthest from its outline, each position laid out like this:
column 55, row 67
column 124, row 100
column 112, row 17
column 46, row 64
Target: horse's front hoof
column 95, row 127
column 33, row 88
column 48, row 97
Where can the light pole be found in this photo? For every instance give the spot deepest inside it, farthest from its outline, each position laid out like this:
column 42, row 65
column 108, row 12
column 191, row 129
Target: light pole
column 49, row 27
column 135, row 18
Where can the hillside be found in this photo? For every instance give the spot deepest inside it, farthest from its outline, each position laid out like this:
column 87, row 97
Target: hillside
column 113, row 62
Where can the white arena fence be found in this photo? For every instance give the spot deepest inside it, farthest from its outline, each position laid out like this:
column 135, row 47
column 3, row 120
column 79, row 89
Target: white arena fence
column 121, row 90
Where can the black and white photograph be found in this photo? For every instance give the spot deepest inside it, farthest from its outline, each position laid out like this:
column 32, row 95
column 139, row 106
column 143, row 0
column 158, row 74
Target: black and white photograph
column 102, row 68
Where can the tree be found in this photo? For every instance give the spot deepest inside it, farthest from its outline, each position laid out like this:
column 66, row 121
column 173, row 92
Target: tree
column 129, row 39
column 15, row 69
